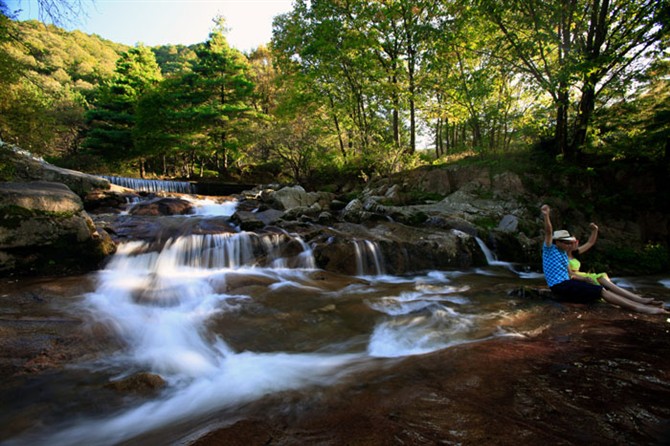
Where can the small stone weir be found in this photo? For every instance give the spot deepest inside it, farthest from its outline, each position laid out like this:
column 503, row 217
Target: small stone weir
column 182, row 187
column 142, row 185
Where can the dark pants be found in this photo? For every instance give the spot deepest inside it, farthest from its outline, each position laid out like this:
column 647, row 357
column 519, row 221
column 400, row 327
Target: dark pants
column 577, row 291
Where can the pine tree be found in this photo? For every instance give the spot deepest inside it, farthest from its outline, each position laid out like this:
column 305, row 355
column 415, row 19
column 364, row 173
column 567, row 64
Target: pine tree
column 112, row 121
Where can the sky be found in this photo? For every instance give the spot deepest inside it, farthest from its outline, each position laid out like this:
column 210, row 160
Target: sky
column 160, row 22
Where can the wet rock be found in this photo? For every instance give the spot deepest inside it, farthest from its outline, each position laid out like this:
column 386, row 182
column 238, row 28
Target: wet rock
column 358, row 211
column 36, row 334
column 305, row 213
column 44, row 229
column 140, row 383
column 528, row 292
column 397, row 247
column 162, row 206
column 325, row 218
column 158, row 229
column 514, row 247
column 251, row 221
column 23, row 167
column 456, row 223
column 596, row 377
column 102, row 201
column 337, row 205
column 243, row 433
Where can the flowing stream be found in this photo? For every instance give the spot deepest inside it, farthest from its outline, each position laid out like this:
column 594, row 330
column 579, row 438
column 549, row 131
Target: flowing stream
column 227, row 319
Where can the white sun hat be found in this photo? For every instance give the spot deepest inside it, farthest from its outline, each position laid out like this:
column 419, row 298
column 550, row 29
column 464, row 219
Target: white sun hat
column 563, row 236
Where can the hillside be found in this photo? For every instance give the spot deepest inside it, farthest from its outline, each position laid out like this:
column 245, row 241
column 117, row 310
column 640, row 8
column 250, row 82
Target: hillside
column 50, row 78
column 58, row 60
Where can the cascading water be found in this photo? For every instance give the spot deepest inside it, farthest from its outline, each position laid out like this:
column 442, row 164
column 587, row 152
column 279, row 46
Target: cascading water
column 142, row 185
column 492, row 261
column 159, row 303
column 369, row 258
column 227, row 319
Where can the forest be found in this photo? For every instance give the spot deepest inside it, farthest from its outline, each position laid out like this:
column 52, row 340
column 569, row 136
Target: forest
column 347, row 88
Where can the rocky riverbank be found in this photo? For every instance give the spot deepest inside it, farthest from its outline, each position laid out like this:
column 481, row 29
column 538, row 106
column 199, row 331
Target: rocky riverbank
column 596, row 376
column 421, row 219
column 561, row 374
column 575, row 375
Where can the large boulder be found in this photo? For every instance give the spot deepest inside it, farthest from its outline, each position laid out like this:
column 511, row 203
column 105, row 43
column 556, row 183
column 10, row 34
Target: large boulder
column 291, row 197
column 395, row 248
column 45, row 230
column 162, row 206
column 17, row 165
column 249, row 221
column 109, row 201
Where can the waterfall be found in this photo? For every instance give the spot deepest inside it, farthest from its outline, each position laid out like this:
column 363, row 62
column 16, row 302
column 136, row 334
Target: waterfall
column 369, row 258
column 162, row 304
column 490, row 258
column 183, row 187
column 216, row 251
column 492, row 261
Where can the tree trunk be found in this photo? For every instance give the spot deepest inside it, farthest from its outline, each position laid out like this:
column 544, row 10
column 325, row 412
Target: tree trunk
column 586, row 107
column 476, row 132
column 448, row 141
column 595, row 39
column 438, row 138
column 337, row 127
column 396, row 113
column 561, row 132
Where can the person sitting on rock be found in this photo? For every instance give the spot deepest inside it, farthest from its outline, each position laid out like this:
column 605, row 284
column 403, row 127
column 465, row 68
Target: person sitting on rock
column 602, row 279
column 556, row 273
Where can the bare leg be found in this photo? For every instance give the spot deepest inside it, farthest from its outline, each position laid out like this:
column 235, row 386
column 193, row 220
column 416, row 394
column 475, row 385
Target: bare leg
column 631, row 305
column 610, row 286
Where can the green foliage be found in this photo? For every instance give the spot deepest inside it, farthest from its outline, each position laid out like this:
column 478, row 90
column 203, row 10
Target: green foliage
column 81, row 161
column 346, row 89
column 651, row 259
column 47, row 77
column 7, row 171
column 174, row 59
column 486, row 223
column 655, row 259
column 221, row 91
column 518, row 161
column 637, row 128
column 264, row 172
column 580, row 46
column 112, row 121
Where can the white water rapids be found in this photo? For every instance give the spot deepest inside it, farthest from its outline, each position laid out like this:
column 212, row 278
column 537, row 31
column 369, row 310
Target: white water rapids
column 227, row 319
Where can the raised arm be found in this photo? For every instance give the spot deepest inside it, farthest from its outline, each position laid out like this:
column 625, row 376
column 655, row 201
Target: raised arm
column 548, row 229
column 591, row 241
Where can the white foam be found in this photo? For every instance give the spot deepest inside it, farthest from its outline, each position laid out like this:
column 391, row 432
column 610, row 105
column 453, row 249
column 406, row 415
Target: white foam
column 206, row 206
